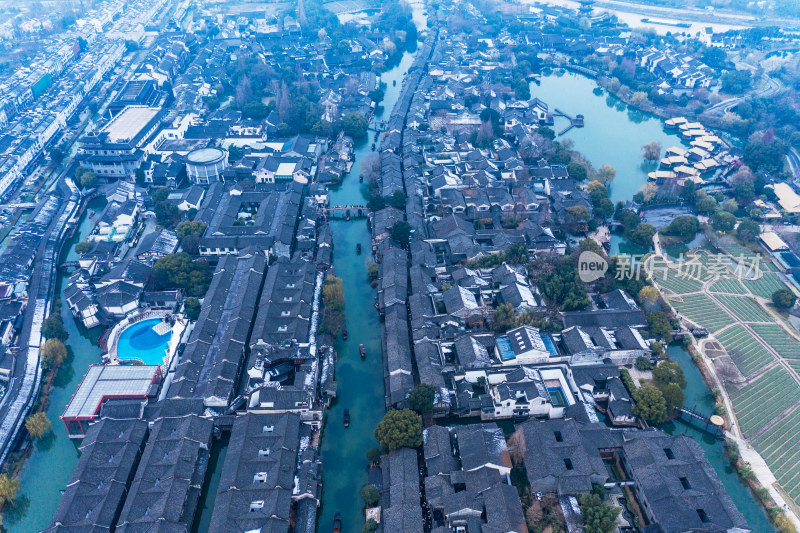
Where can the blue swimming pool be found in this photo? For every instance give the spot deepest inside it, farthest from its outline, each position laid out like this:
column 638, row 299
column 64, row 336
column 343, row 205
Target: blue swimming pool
column 140, row 342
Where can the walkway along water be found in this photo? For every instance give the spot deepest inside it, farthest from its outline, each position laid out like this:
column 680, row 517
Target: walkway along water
column 49, row 468
column 360, row 382
column 613, row 135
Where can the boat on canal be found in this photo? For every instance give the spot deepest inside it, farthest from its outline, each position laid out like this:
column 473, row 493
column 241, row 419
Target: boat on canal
column 373, row 147
column 337, row 523
column 358, row 248
column 344, row 333
column 362, row 351
column 347, row 418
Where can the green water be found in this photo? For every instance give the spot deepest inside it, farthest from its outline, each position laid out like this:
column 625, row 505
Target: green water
column 613, row 133
column 698, row 398
column 360, row 382
column 205, row 509
column 49, row 468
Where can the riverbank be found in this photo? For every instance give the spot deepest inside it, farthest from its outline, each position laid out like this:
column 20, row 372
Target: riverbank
column 49, row 465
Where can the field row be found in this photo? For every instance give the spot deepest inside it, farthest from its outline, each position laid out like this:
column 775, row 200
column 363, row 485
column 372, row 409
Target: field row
column 728, row 285
column 775, row 336
column 780, row 448
column 703, row 311
column 764, row 286
column 747, row 353
column 744, row 308
column 760, row 402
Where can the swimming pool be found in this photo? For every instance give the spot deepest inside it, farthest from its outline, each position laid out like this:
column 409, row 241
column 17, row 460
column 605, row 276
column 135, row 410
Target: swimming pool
column 140, row 342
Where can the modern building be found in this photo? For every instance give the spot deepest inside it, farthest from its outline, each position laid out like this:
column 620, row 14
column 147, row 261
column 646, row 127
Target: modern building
column 206, row 165
column 115, row 150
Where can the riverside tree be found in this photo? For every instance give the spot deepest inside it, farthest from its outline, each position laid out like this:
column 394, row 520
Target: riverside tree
column 400, row 428
column 421, row 398
column 38, row 425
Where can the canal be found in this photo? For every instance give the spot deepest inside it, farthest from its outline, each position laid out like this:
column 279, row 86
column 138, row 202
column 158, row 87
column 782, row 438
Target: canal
column 613, row 135
column 360, row 382
column 49, row 468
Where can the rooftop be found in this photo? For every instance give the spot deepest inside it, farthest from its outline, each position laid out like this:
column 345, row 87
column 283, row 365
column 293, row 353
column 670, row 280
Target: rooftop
column 114, row 381
column 129, row 123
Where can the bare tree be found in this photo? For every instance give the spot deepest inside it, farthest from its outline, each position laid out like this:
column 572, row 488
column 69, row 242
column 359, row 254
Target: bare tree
column 517, row 446
column 652, row 151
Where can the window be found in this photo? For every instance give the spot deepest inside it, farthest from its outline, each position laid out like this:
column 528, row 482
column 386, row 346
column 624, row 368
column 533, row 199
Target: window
column 685, row 483
column 268, row 429
column 703, row 516
column 264, row 452
column 568, row 464
column 282, row 329
column 287, row 298
column 256, row 506
column 260, row 477
column 558, row 436
column 286, row 313
column 668, row 453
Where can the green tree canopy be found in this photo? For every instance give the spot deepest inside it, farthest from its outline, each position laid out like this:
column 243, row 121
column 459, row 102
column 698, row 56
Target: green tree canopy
column 643, row 234
column 673, row 396
column 421, row 398
column 783, row 298
column 373, row 455
column 748, row 231
column 179, row 271
column 669, row 372
column 355, row 125
column 503, row 318
column 82, row 247
column 401, row 232
column 684, row 227
column 192, row 307
column 598, row 516
column 723, row 221
column 53, row 328
column 189, row 227
column 9, row 486
column 400, row 428
column 650, row 405
column 370, row 494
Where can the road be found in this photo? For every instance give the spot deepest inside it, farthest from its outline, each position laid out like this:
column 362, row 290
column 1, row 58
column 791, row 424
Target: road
column 793, row 159
column 726, row 105
column 27, row 371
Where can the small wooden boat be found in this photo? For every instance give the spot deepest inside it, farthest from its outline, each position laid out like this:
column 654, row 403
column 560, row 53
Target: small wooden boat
column 347, row 217
column 337, row 523
column 344, row 334
column 358, row 248
column 362, row 351
column 394, row 83
column 91, row 213
column 347, row 418
column 361, row 179
column 373, row 147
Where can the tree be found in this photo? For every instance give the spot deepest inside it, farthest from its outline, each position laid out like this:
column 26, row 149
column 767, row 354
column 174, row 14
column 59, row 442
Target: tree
column 9, row 486
column 783, row 298
column 189, row 227
column 139, row 175
column 643, row 234
column 421, row 398
column 648, row 191
column 577, row 171
column 673, row 396
column 658, row 324
column 354, row 125
column 53, row 353
column 180, row 271
column 503, row 318
column 82, row 247
column 192, row 307
column 706, row 205
column 639, row 99
column 57, row 155
column 371, row 495
column 598, row 516
column 370, row 526
column 373, row 455
column 398, row 200
column 723, row 221
column 400, row 428
column 668, row 372
column 401, row 232
column 748, row 231
column 53, row 328
column 652, row 151
column 650, row 405
column 685, row 227
column 648, row 295
column 736, row 81
column 38, row 425
column 643, row 363
column 606, row 174
column 88, row 180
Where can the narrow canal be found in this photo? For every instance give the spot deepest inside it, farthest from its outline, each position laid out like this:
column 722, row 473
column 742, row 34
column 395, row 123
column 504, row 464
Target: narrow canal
column 613, row 135
column 360, row 382
column 49, row 467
